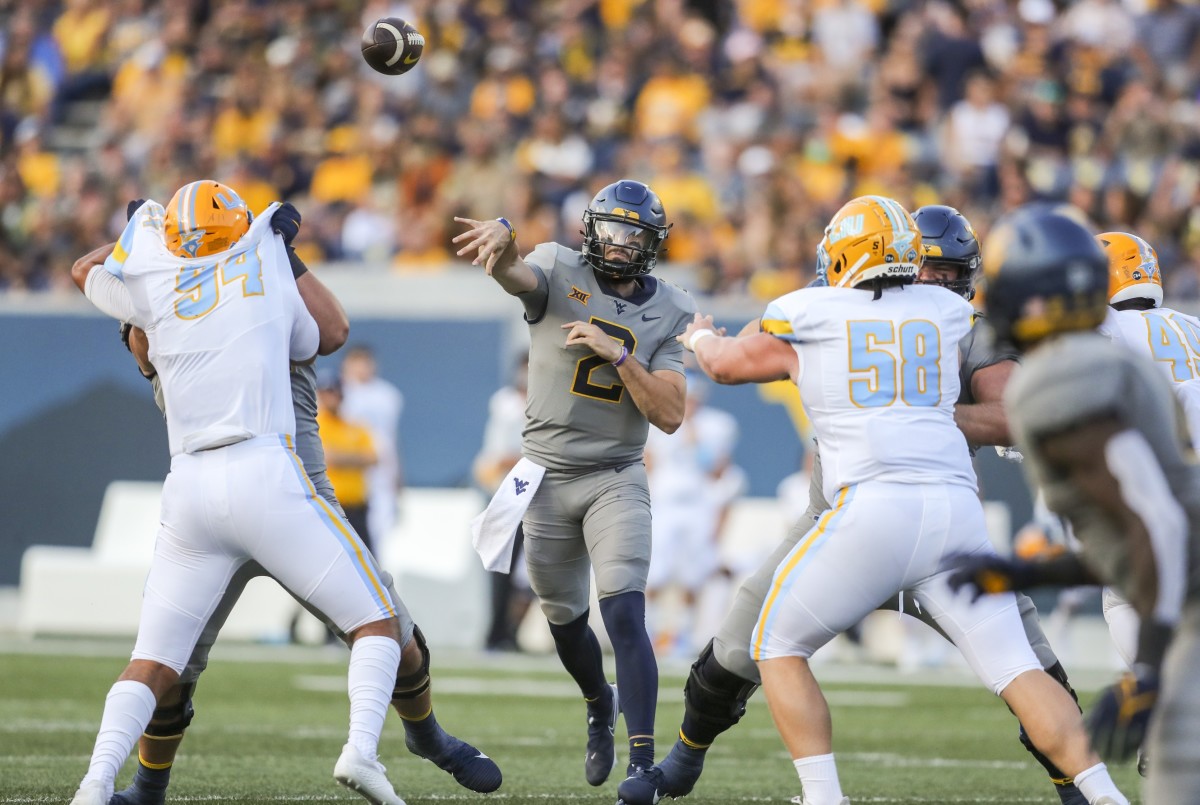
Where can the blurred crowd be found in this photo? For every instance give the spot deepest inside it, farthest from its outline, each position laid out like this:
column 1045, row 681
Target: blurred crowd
column 753, row 119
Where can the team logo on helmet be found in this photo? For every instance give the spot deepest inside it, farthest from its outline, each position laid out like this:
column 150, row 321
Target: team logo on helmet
column 204, row 218
column 871, row 237
column 623, row 230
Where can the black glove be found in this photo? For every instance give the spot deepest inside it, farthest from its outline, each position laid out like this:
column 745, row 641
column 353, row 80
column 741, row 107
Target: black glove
column 987, row 574
column 286, row 221
column 131, row 208
column 1121, row 714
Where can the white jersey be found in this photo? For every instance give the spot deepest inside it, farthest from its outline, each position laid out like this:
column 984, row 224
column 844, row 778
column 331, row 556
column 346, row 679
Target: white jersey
column 681, row 463
column 1172, row 340
column 222, row 331
column 879, row 380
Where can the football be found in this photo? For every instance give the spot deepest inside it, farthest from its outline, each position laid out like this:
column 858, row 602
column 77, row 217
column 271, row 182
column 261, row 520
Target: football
column 392, row 46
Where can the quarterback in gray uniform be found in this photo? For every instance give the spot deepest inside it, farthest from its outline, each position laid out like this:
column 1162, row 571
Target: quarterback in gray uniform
column 604, row 364
column 1106, row 440
column 411, row 698
column 724, row 677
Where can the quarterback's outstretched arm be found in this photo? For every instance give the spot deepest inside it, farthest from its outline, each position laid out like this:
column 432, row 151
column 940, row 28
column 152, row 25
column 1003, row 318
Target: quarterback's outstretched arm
column 756, row 358
column 495, row 247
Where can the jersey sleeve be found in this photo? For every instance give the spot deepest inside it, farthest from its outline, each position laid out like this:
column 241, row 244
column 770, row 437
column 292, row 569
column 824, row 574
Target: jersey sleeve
column 108, row 293
column 115, row 263
column 541, row 261
column 669, row 354
column 786, row 318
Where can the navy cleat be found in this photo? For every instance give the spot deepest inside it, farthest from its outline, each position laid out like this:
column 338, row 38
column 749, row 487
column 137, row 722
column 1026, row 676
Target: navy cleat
column 471, row 768
column 675, row 776
column 601, row 749
column 138, row 794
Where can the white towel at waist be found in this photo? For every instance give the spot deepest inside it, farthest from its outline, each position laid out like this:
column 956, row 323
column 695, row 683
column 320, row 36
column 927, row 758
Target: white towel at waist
column 494, row 530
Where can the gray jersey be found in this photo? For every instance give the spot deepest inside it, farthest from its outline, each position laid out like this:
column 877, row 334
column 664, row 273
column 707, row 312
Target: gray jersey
column 308, row 438
column 1079, row 377
column 579, row 415
column 977, row 350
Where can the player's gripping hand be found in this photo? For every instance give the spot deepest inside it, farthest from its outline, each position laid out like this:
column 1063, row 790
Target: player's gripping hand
column 1010, row 454
column 286, row 221
column 1121, row 714
column 131, row 208
column 988, row 574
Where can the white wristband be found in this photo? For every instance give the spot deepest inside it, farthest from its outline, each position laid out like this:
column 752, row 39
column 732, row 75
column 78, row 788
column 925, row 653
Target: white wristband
column 696, row 336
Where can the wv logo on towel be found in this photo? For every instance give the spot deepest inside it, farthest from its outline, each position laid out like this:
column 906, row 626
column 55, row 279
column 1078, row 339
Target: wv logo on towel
column 520, row 485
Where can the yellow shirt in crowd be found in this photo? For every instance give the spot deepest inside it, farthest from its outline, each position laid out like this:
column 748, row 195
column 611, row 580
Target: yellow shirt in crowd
column 342, row 438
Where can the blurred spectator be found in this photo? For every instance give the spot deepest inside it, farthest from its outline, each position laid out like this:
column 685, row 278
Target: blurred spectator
column 755, row 119
column 376, row 403
column 349, row 455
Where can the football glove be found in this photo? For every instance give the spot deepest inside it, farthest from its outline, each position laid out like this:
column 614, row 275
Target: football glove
column 987, row 574
column 131, row 208
column 286, row 221
column 1121, row 714
column 1010, row 454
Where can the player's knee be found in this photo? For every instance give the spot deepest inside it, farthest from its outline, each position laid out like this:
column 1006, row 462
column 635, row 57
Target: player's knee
column 735, row 657
column 715, row 694
column 561, row 613
column 387, row 627
column 174, row 712
column 412, row 678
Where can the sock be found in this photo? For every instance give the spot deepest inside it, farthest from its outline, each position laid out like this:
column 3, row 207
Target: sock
column 641, row 751
column 637, row 673
column 819, row 780
column 127, row 710
column 1094, row 783
column 370, row 679
column 580, row 654
column 424, row 733
column 151, row 781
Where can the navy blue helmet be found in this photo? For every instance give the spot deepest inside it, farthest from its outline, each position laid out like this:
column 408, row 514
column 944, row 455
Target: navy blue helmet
column 628, row 215
column 1045, row 274
column 948, row 241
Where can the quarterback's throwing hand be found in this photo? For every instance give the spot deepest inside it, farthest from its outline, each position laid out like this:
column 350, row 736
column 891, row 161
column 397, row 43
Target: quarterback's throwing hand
column 1121, row 714
column 581, row 333
column 488, row 239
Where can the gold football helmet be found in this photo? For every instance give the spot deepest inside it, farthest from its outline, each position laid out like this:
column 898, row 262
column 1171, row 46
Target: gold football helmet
column 204, row 218
column 870, row 237
column 1132, row 268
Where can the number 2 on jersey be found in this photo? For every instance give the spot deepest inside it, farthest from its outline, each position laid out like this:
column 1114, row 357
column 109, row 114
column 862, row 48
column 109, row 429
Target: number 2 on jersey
column 879, row 367
column 202, row 284
column 582, row 383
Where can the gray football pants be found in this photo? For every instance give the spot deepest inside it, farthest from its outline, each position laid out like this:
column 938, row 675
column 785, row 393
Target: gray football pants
column 577, row 522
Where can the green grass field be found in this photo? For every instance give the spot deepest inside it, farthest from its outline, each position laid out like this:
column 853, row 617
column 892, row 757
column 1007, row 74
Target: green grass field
column 271, row 721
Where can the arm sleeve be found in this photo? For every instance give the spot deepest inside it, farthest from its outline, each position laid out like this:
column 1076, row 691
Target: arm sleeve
column 1145, row 490
column 108, row 293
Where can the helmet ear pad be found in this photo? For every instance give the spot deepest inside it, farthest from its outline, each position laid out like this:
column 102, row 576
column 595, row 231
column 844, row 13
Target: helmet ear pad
column 627, row 215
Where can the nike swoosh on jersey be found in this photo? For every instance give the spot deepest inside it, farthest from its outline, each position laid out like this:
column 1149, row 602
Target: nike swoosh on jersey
column 650, row 318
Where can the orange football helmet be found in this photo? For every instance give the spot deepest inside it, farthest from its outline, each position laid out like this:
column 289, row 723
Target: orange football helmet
column 1132, row 268
column 870, row 237
column 204, row 218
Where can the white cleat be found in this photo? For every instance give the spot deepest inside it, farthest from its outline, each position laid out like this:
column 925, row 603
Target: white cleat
column 800, row 801
column 93, row 792
column 367, row 777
